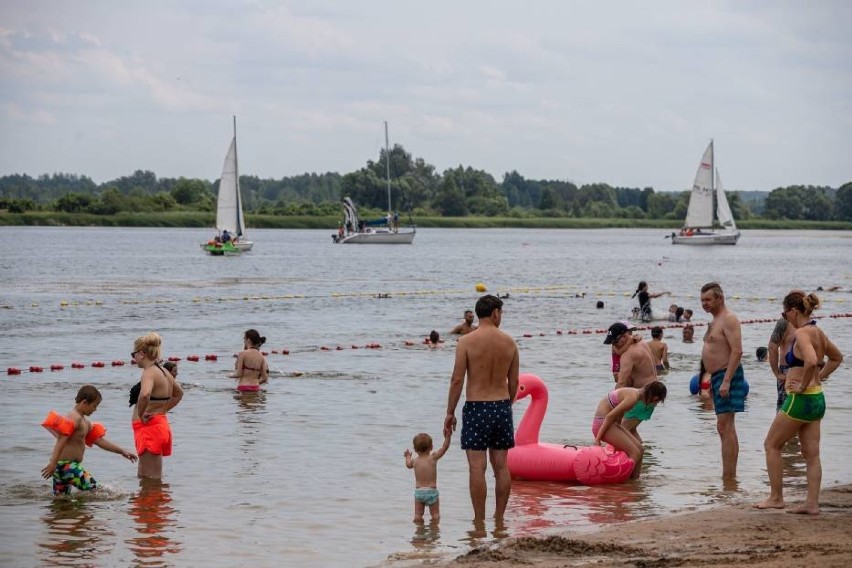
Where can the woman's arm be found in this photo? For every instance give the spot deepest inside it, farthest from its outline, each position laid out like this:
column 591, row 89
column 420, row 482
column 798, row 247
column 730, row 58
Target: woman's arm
column 835, row 357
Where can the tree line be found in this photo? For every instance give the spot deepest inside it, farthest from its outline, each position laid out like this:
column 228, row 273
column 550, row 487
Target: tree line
column 416, row 188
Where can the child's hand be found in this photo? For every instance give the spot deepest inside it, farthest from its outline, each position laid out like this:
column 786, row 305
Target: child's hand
column 132, row 457
column 407, row 453
column 47, row 471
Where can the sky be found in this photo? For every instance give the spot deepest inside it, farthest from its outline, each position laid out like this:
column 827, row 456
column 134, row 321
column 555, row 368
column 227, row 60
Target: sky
column 620, row 92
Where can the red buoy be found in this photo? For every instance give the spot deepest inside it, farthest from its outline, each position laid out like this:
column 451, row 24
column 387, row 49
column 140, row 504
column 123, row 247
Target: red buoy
column 57, row 367
column 98, row 364
column 34, row 369
column 76, row 365
column 193, row 358
column 13, row 371
column 211, row 357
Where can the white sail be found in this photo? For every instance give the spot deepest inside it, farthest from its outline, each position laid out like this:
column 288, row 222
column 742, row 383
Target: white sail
column 700, row 212
column 229, row 209
column 723, row 210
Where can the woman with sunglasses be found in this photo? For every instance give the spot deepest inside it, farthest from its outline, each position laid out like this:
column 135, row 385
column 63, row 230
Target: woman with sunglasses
column 804, row 406
column 158, row 393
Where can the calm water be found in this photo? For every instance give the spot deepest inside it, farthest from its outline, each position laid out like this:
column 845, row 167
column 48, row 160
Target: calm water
column 311, row 472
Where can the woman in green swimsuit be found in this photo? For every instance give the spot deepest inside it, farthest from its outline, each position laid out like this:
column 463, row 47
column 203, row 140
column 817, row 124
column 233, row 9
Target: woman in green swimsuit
column 804, row 407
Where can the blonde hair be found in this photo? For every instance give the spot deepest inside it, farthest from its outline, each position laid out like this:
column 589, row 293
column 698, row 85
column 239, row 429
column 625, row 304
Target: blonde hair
column 805, row 303
column 149, row 345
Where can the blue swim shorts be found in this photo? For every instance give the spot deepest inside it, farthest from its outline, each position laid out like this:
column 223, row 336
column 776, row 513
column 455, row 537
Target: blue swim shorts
column 426, row 495
column 735, row 401
column 487, row 425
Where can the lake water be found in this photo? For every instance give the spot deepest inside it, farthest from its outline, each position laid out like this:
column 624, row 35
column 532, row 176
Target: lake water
column 311, row 472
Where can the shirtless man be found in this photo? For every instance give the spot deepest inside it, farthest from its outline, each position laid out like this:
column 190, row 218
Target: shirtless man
column 465, row 326
column 721, row 354
column 779, row 343
column 636, row 370
column 489, row 359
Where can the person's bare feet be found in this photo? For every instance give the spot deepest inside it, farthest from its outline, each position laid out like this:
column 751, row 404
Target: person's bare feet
column 805, row 510
column 769, row 504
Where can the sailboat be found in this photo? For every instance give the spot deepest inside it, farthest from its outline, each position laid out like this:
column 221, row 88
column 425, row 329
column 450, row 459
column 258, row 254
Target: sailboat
column 699, row 227
column 230, row 221
column 383, row 231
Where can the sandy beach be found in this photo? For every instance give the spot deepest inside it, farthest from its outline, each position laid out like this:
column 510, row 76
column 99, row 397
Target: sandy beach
column 725, row 536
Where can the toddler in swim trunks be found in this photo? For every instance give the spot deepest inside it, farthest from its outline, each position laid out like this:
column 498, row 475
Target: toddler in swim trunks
column 73, row 433
column 425, row 467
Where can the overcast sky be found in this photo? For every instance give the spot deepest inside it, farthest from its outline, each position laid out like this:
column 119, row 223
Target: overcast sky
column 622, row 92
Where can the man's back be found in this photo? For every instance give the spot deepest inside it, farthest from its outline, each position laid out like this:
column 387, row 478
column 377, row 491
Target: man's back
column 637, row 366
column 489, row 356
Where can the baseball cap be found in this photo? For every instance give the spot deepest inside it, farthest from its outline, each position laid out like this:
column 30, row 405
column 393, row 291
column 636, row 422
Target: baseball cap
column 628, row 325
column 615, row 331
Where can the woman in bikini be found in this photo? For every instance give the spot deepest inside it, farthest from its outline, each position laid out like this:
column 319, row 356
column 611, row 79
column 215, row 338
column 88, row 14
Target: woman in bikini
column 251, row 368
column 804, row 406
column 606, row 425
column 156, row 394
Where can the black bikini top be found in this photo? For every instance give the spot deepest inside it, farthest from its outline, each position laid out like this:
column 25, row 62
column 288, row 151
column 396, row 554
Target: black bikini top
column 137, row 388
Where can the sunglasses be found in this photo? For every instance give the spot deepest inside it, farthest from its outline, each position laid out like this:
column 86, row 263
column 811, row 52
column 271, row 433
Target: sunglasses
column 132, row 355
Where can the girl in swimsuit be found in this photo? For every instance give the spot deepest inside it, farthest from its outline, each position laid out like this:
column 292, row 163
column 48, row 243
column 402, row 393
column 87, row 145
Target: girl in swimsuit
column 158, row 393
column 606, row 425
column 804, row 406
column 251, row 368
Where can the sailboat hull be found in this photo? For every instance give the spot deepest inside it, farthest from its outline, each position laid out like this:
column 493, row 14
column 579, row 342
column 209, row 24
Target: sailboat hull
column 379, row 238
column 708, row 238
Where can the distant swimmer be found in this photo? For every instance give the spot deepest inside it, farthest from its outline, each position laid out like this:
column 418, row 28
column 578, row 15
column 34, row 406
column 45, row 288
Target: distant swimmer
column 466, row 326
column 73, row 433
column 645, row 300
column 434, row 340
column 251, row 368
column 660, row 350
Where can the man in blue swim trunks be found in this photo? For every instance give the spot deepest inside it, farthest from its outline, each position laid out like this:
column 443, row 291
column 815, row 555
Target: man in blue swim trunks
column 489, row 359
column 721, row 355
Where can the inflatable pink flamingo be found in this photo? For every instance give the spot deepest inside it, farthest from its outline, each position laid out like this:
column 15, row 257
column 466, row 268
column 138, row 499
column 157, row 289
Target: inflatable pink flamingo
column 532, row 460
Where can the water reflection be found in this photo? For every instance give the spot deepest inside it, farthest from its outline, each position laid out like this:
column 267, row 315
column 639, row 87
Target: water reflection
column 74, row 536
column 426, row 536
column 155, row 521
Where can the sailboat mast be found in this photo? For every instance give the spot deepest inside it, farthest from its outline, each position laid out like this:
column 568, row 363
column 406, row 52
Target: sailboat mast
column 237, row 176
column 713, row 184
column 387, row 167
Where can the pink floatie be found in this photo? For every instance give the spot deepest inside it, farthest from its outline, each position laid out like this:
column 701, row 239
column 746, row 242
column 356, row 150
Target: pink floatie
column 532, row 460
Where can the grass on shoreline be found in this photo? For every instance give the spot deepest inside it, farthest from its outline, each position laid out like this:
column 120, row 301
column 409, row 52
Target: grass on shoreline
column 201, row 219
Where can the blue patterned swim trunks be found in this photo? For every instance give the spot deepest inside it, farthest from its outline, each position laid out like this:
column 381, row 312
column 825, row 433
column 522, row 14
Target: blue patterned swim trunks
column 487, row 425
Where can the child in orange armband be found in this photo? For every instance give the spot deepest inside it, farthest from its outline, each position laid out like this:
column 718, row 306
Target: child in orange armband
column 73, row 433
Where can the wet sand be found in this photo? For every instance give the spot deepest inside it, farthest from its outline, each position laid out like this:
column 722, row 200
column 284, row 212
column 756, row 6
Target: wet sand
column 725, row 536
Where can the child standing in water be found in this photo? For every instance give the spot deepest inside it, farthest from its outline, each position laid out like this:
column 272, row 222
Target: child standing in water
column 425, row 467
column 73, row 433
column 660, row 350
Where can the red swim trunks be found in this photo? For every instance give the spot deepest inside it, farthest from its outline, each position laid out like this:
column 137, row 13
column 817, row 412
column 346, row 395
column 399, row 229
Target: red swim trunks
column 153, row 436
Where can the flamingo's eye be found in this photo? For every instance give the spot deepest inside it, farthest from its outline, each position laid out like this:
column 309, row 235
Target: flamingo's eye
column 523, row 387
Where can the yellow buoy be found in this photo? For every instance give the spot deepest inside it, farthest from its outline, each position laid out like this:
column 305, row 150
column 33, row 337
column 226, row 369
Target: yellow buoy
column 480, row 287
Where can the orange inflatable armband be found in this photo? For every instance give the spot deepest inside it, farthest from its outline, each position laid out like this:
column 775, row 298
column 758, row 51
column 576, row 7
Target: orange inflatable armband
column 58, row 425
column 96, row 432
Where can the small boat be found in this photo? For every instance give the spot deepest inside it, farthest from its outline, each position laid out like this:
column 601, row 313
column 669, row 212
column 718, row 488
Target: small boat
column 230, row 221
column 383, row 231
column 699, row 227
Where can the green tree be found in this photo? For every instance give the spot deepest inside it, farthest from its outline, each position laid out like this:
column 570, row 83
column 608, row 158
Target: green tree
column 450, row 200
column 72, row 203
column 843, row 202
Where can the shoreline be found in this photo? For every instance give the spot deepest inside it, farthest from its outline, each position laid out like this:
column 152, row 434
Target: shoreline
column 727, row 535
